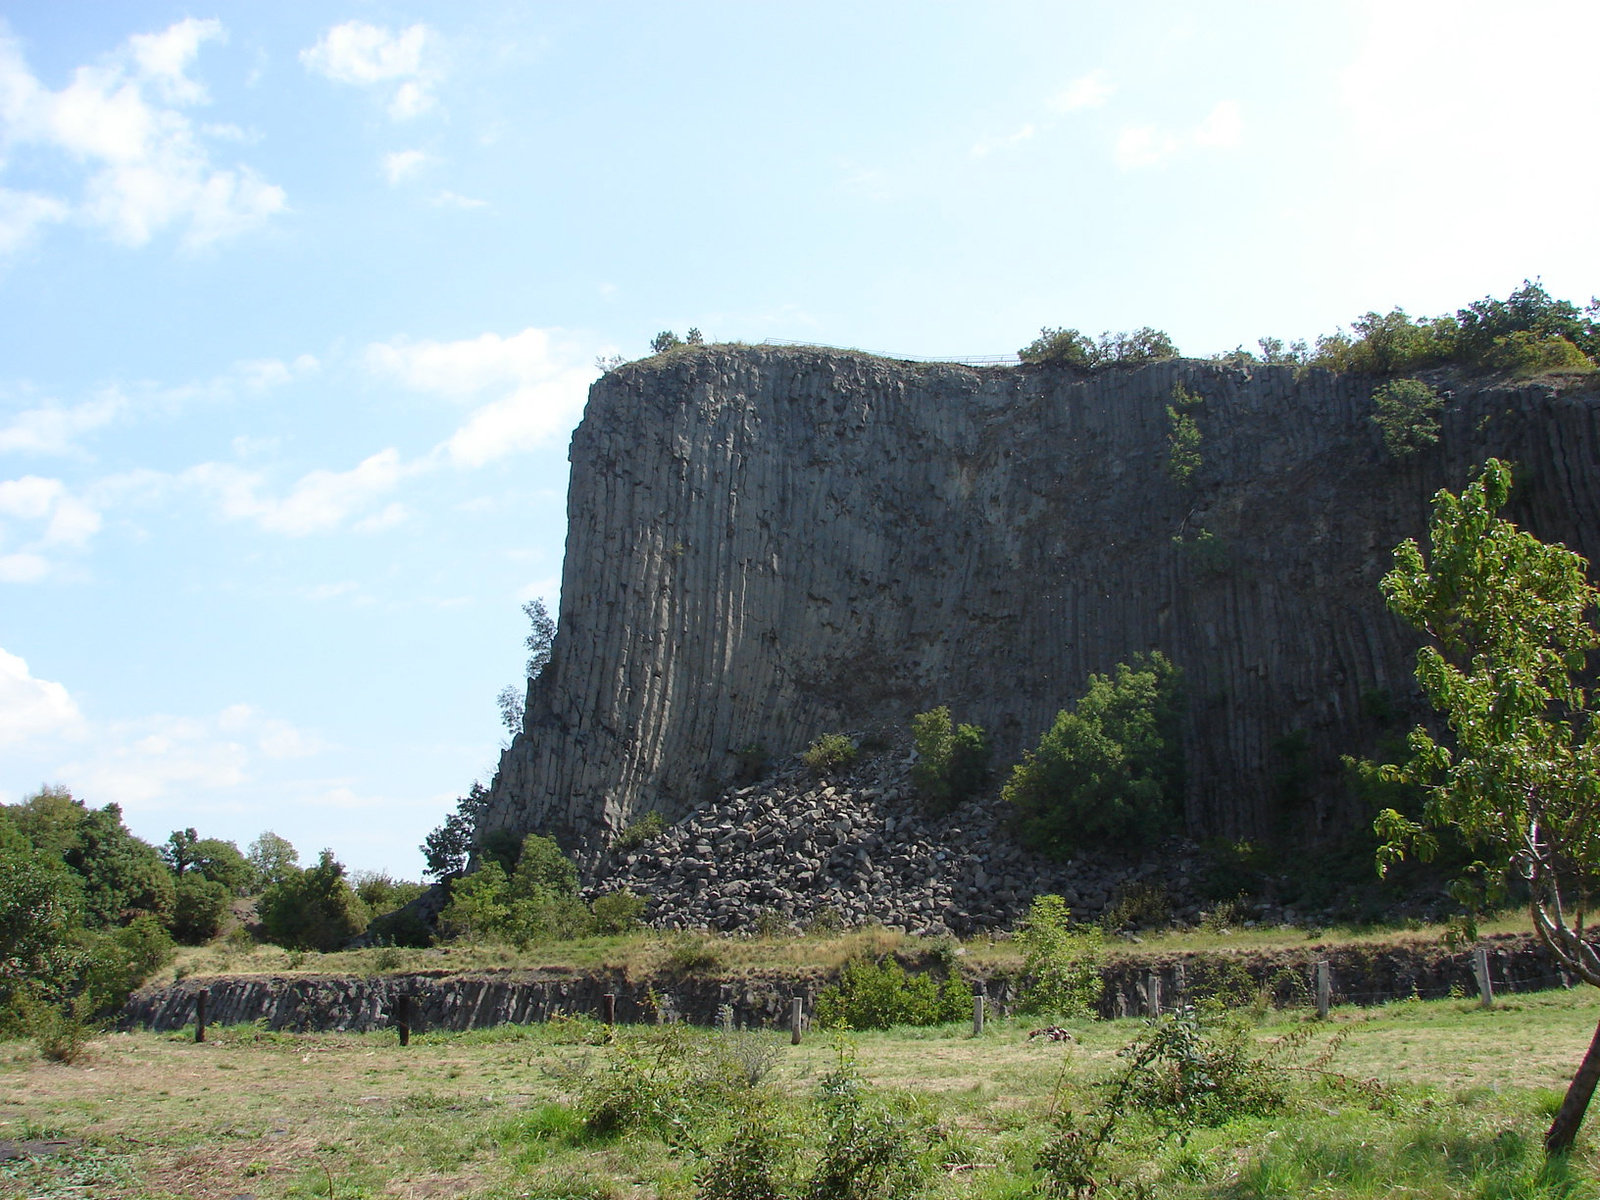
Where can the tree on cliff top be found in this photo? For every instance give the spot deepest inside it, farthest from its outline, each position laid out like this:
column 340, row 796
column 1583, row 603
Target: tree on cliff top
column 1511, row 623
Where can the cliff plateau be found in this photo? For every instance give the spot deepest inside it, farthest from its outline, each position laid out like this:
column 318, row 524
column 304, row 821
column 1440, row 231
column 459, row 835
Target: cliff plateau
column 767, row 544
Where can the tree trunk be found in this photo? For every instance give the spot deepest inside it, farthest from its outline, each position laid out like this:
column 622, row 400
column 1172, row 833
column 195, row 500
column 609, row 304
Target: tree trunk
column 1564, row 1129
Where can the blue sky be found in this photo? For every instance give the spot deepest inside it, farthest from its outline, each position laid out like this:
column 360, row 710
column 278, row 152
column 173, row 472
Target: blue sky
column 299, row 303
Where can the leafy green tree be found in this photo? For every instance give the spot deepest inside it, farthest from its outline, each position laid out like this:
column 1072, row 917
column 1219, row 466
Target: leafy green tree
column 122, row 875
column 448, row 848
column 1110, row 770
column 1067, row 347
column 314, row 909
column 1406, row 413
column 272, row 859
column 1133, row 349
column 1061, row 962
column 41, row 910
column 220, row 862
column 1518, row 777
column 1530, row 309
column 664, row 341
column 952, row 760
column 200, row 906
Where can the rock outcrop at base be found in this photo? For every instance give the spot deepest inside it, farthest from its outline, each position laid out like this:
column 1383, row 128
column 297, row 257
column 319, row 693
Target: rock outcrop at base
column 799, row 851
column 767, row 544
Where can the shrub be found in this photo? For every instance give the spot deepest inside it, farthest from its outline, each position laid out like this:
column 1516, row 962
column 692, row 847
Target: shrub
column 617, row 912
column 952, row 763
column 1528, row 353
column 830, row 753
column 1183, row 435
column 1065, row 346
column 1071, row 348
column 314, row 909
column 876, row 1148
column 664, row 341
column 1061, row 962
column 199, row 909
column 645, row 829
column 753, row 761
column 750, row 1165
column 1109, row 771
column 1404, row 411
column 878, row 995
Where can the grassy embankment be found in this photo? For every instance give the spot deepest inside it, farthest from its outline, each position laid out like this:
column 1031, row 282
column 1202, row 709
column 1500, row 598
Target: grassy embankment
column 648, row 953
column 1428, row 1099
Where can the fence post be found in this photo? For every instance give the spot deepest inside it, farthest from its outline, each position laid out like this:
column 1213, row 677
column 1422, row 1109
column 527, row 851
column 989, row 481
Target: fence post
column 202, row 1002
column 1324, row 988
column 1152, row 994
column 978, row 1005
column 402, row 1018
column 796, row 1016
column 1480, row 968
column 608, row 1004
column 1180, row 985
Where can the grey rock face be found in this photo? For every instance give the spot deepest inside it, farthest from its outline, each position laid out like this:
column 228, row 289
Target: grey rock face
column 765, row 545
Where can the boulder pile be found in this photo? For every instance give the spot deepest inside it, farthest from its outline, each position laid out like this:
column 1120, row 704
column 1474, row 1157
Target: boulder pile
column 800, row 851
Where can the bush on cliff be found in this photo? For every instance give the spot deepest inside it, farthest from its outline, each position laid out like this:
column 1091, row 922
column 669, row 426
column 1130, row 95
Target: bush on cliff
column 832, row 752
column 1109, row 771
column 952, row 760
column 1068, row 347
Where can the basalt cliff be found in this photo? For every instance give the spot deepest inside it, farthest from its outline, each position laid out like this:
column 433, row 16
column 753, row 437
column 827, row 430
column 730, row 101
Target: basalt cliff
column 768, row 544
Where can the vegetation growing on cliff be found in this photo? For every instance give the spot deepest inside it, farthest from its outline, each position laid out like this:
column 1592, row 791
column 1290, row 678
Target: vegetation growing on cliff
column 952, row 760
column 1068, row 347
column 1109, row 770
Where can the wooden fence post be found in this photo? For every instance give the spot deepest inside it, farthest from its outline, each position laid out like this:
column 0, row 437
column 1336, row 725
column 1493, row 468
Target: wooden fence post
column 202, row 1002
column 1324, row 988
column 1480, row 968
column 1152, row 994
column 978, row 1006
column 609, row 1007
column 402, row 1018
column 796, row 1017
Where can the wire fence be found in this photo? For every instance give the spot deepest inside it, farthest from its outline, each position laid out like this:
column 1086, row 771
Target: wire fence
column 963, row 360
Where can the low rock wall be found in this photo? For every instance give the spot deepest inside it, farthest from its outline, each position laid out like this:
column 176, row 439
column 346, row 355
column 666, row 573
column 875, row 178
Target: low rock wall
column 1361, row 974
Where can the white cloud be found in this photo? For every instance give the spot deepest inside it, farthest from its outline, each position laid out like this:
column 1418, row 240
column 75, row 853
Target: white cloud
column 393, row 514
column 1143, row 146
column 403, row 164
column 318, row 502
column 1223, row 128
column 121, row 121
column 540, row 390
column 59, row 520
column 370, row 55
column 21, row 215
column 53, row 428
column 456, row 200
column 33, row 708
column 1146, row 146
column 259, row 374
column 23, row 568
column 464, row 368
column 1087, row 91
column 987, row 145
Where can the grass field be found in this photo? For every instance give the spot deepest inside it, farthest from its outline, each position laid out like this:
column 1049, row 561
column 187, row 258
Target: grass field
column 1418, row 1099
column 647, row 952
